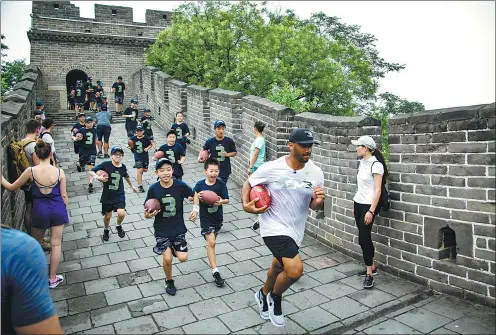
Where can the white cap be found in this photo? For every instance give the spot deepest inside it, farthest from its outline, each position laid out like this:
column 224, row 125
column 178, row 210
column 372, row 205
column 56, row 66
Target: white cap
column 366, row 141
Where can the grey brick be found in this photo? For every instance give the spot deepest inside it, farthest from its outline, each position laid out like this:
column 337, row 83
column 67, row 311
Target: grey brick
column 468, row 147
column 95, row 261
column 431, row 169
column 466, row 171
column 467, row 193
column 244, row 282
column 423, row 320
column 105, row 249
column 141, row 325
column 131, row 244
column 61, row 308
column 81, row 275
column 123, row 256
column 482, row 277
column 113, row 270
column 481, row 182
column 69, row 266
column 101, row 285
column 209, row 326
column 241, row 319
column 134, row 234
column 152, row 288
column 403, row 265
column 142, row 264
column 449, row 137
column 86, row 303
column 121, row 295
column 191, row 266
column 209, row 308
column 335, row 290
column 75, row 323
column 147, row 306
column 485, row 254
column 470, row 216
column 314, row 318
column 74, row 236
column 76, row 254
column 100, row 330
column 481, row 159
column 244, row 267
column 67, row 292
column 110, row 314
column 242, row 255
column 432, row 274
column 174, row 318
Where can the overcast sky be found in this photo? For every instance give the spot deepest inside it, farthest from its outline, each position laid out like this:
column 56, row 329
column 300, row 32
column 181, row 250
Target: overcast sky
column 448, row 47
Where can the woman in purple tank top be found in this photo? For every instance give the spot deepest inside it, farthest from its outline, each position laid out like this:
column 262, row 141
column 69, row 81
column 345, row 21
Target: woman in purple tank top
column 48, row 185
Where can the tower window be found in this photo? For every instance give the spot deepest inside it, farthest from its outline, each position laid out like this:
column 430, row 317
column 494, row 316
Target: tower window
column 140, row 33
column 56, row 6
column 164, row 17
column 114, row 12
column 87, row 31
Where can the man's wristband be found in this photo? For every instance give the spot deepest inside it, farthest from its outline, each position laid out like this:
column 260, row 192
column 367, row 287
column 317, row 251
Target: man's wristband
column 371, row 212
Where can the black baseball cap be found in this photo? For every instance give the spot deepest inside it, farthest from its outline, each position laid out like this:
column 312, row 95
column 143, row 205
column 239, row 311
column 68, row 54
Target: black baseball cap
column 302, row 136
column 115, row 149
column 81, row 114
column 139, row 128
column 161, row 162
column 219, row 123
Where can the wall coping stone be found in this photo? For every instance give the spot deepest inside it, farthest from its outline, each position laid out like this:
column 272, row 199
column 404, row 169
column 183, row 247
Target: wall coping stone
column 163, row 75
column 11, row 109
column 29, row 76
column 267, row 104
column 227, row 93
column 25, row 85
column 16, row 96
column 443, row 114
column 90, row 20
column 4, row 120
column 152, row 68
column 179, row 83
column 199, row 88
column 326, row 120
column 32, row 68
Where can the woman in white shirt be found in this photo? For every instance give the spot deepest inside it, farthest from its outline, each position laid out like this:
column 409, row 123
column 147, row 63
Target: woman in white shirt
column 257, row 154
column 366, row 205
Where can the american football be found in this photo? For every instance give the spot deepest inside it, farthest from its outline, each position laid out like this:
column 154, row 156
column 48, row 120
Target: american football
column 204, row 154
column 261, row 192
column 152, row 205
column 158, row 155
column 209, row 197
column 79, row 136
column 102, row 173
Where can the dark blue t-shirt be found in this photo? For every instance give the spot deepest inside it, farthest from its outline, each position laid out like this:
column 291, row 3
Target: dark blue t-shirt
column 113, row 189
column 180, row 129
column 140, row 155
column 211, row 215
column 119, row 89
column 80, row 93
column 216, row 147
column 174, row 153
column 147, row 121
column 131, row 121
column 26, row 298
column 169, row 222
column 88, row 143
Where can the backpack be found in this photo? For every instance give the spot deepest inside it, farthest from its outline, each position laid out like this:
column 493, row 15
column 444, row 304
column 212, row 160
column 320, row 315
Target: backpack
column 384, row 200
column 45, row 132
column 17, row 159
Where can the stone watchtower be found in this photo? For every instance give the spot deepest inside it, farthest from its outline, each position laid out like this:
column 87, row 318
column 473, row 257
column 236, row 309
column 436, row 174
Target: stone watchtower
column 67, row 47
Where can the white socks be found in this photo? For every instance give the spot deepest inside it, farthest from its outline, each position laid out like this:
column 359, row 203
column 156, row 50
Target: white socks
column 214, row 270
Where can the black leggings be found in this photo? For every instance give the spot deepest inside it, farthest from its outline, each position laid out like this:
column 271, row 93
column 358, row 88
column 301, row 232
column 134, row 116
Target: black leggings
column 364, row 231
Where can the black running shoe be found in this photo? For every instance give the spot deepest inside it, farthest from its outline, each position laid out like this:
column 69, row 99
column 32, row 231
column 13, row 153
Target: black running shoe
column 106, row 234
column 120, row 231
column 78, row 167
column 99, row 155
column 141, row 189
column 363, row 273
column 170, row 289
column 368, row 281
column 256, row 225
column 106, row 156
column 218, row 279
column 90, row 188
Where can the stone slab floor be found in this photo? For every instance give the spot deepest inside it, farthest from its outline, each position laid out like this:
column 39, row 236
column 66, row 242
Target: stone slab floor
column 117, row 287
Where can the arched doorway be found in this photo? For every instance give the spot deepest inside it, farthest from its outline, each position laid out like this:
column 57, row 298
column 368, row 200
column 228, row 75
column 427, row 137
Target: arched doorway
column 70, row 81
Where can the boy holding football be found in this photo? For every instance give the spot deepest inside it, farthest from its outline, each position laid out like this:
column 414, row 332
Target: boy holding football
column 146, row 121
column 222, row 148
column 170, row 230
column 211, row 216
column 86, row 137
column 174, row 152
column 140, row 145
column 113, row 196
column 182, row 130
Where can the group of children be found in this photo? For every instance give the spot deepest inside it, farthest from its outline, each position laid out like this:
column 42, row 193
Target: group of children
column 169, row 190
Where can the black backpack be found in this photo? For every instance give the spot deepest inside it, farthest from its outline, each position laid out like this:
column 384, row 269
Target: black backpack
column 384, row 200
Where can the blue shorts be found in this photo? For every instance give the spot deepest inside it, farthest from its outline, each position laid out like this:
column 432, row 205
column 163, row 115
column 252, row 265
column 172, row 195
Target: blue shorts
column 103, row 131
column 119, row 100
column 176, row 243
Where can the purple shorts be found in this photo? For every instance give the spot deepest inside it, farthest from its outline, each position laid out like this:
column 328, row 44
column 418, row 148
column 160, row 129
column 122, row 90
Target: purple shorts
column 47, row 214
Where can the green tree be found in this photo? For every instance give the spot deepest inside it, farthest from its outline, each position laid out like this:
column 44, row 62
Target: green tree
column 388, row 105
column 318, row 64
column 3, row 46
column 11, row 73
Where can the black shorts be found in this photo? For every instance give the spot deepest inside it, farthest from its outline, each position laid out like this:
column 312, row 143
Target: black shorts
column 103, row 131
column 141, row 164
column 76, row 148
column 281, row 246
column 79, row 102
column 211, row 229
column 113, row 207
column 149, row 134
column 176, row 243
column 28, row 196
column 86, row 160
column 119, row 100
column 130, row 129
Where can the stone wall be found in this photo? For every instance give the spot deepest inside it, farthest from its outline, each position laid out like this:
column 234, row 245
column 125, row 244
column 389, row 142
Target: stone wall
column 442, row 173
column 17, row 108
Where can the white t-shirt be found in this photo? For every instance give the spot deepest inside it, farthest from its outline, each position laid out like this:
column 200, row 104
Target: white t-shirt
column 365, row 180
column 47, row 138
column 291, row 194
column 29, row 149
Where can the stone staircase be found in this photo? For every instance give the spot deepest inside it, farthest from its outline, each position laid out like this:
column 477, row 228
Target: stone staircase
column 66, row 117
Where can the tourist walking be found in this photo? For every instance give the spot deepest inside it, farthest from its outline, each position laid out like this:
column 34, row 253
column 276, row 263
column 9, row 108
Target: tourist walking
column 295, row 184
column 222, row 148
column 366, row 205
column 257, row 154
column 48, row 188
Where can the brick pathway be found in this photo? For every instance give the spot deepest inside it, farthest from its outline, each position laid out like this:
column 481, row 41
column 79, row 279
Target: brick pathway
column 117, row 287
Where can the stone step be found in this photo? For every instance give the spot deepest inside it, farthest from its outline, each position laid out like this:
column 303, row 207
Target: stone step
column 67, row 117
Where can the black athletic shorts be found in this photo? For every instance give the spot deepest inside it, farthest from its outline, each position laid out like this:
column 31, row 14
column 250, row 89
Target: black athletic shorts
column 86, row 159
column 176, row 243
column 103, row 131
column 141, row 164
column 281, row 246
column 149, row 134
column 113, row 207
column 211, row 229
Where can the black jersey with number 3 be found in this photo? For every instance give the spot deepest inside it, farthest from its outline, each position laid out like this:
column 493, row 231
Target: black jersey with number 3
column 113, row 189
column 169, row 222
column 88, row 143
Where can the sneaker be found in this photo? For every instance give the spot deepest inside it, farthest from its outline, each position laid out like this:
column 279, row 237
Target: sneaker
column 99, row 155
column 256, row 225
column 120, row 231
column 275, row 310
column 141, row 189
column 90, row 188
column 218, row 279
column 363, row 273
column 170, row 289
column 262, row 305
column 368, row 281
column 106, row 156
column 58, row 279
column 78, row 167
column 106, row 234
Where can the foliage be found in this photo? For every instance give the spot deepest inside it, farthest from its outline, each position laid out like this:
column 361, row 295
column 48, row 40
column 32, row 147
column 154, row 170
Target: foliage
column 11, row 73
column 318, row 64
column 388, row 105
column 3, row 46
